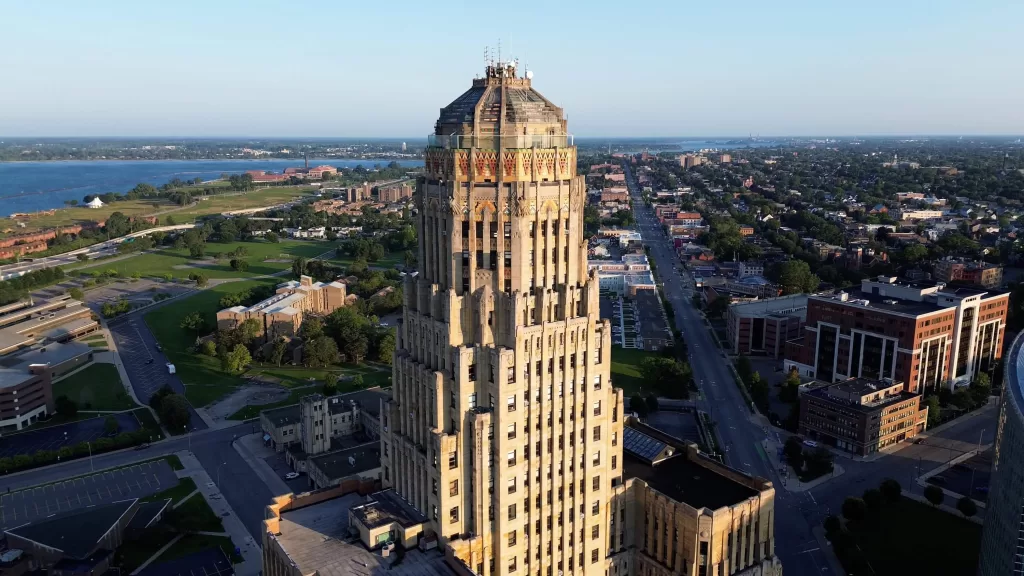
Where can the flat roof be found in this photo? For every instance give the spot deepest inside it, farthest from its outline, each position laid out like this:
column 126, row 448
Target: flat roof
column 345, row 463
column 386, row 507
column 884, row 303
column 860, row 387
column 10, row 377
column 315, row 538
column 77, row 532
column 686, row 481
column 51, row 354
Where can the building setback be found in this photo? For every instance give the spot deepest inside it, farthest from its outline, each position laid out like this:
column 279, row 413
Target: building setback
column 924, row 334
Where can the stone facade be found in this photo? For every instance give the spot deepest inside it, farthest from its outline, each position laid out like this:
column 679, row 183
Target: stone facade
column 281, row 315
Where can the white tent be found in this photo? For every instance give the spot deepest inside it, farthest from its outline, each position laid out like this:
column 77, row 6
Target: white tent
column 95, row 203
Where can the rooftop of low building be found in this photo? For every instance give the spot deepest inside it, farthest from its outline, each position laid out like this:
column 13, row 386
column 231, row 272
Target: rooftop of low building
column 386, row 507
column 348, row 462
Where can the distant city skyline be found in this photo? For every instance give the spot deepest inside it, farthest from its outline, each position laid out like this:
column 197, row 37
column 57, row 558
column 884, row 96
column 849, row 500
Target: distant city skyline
column 230, row 69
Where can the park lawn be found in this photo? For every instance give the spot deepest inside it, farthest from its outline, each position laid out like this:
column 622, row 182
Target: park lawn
column 204, row 380
column 81, row 215
column 95, row 387
column 297, row 379
column 178, row 264
column 198, row 516
column 192, row 543
column 225, row 203
column 942, row 543
column 390, row 260
column 625, row 369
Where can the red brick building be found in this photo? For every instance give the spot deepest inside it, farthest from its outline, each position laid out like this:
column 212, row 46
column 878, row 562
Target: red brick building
column 922, row 333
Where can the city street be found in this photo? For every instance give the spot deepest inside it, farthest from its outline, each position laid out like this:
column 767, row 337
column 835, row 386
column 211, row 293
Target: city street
column 796, row 512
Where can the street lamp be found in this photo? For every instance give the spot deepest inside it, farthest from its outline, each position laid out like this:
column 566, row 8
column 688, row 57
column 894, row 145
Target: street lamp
column 218, row 473
column 91, row 467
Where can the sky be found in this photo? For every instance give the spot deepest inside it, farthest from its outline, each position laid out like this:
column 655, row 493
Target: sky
column 383, row 69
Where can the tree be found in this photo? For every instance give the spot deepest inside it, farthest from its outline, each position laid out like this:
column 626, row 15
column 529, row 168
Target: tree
column 110, row 426
column 193, row 321
column 197, row 250
column 891, row 490
column 795, row 277
column 934, row 494
column 966, row 506
column 65, row 407
column 873, row 498
column 931, row 402
column 667, row 375
column 386, row 348
column 117, row 225
column 312, row 328
column 239, row 265
column 272, row 237
column 915, row 253
column 719, row 306
column 759, row 390
column 790, row 387
column 793, row 450
column 819, row 461
column 854, row 509
column 638, row 405
column 832, row 525
column 174, row 412
column 248, row 331
column 235, row 360
column 330, row 387
column 170, row 221
column 300, row 266
column 76, row 293
column 278, row 351
column 320, row 351
column 652, row 404
column 209, row 348
column 200, row 279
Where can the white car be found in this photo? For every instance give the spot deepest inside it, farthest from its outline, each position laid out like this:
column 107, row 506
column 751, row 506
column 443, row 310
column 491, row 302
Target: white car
column 810, row 443
column 291, row 476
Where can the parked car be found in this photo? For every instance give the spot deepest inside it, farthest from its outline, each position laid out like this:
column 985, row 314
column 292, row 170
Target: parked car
column 291, row 475
column 810, row 443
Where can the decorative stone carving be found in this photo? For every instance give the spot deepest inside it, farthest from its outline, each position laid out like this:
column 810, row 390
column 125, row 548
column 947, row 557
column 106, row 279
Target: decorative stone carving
column 575, row 198
column 520, row 206
column 455, row 207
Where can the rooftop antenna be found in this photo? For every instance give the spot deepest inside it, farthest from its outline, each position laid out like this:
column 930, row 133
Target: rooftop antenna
column 499, row 51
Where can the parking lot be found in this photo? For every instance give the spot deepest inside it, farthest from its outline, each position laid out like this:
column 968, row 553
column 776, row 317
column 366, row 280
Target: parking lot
column 970, row 477
column 654, row 331
column 55, row 437
column 138, row 481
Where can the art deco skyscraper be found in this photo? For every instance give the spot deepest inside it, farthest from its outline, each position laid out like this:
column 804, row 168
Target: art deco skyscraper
column 503, row 428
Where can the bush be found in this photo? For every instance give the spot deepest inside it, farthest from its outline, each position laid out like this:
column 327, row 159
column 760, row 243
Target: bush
column 853, row 509
column 832, row 525
column 934, row 494
column 891, row 490
column 966, row 506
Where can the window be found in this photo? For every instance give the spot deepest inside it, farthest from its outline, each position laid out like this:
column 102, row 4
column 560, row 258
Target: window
column 511, row 431
column 597, row 433
column 512, row 458
column 614, row 461
column 453, row 488
column 453, row 460
column 597, row 382
column 472, row 371
column 434, row 512
column 596, row 459
column 511, row 403
column 512, row 539
column 453, row 515
column 595, row 508
column 597, row 483
column 593, row 556
column 595, row 532
column 433, row 486
column 597, row 408
column 512, row 511
column 615, row 439
column 512, row 485
column 472, row 400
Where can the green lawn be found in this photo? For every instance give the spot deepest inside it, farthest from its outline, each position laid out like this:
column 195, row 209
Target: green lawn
column 909, row 537
column 216, row 264
column 195, row 515
column 626, row 369
column 297, row 378
column 184, row 487
column 95, row 387
column 257, row 199
column 204, row 380
column 390, row 260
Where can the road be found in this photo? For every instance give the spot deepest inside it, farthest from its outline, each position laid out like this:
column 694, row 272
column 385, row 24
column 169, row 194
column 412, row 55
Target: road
column 742, row 436
column 795, row 544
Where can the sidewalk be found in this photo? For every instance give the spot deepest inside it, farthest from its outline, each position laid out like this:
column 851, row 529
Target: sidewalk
column 250, row 447
column 252, row 555
column 789, row 481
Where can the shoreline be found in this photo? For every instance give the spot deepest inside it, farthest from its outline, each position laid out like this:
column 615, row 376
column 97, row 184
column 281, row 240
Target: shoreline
column 300, row 158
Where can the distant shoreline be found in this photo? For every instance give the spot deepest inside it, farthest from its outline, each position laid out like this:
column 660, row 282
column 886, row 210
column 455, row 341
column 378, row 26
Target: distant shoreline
column 208, row 160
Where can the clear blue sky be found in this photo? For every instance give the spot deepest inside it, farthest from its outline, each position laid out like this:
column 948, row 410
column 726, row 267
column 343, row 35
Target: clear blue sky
column 384, row 68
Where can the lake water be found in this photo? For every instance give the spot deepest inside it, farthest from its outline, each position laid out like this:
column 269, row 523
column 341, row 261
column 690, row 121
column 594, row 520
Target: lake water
column 33, row 186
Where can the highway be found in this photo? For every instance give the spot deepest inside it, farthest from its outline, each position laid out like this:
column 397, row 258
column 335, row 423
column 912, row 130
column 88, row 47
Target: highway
column 739, row 436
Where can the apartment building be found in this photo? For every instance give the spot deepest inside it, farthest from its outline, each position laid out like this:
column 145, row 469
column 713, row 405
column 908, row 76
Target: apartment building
column 281, row 315
column 395, row 192
column 861, row 415
column 951, row 269
column 924, row 334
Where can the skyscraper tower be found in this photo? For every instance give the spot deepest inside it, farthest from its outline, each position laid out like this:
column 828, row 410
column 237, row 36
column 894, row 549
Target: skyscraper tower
column 503, row 428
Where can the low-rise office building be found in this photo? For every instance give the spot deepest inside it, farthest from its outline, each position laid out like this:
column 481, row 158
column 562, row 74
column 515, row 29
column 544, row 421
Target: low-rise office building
column 968, row 271
column 860, row 415
column 764, row 326
column 26, row 382
column 27, row 322
column 349, row 414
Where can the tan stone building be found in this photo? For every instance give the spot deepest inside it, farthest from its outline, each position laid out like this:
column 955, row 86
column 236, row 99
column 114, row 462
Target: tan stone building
column 282, row 313
column 502, row 421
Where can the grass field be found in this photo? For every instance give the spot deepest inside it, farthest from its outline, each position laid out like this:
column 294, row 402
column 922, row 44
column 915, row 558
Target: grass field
column 180, row 265
column 196, row 543
column 942, row 543
column 626, row 369
column 204, row 380
column 206, row 205
column 95, row 387
column 184, row 487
